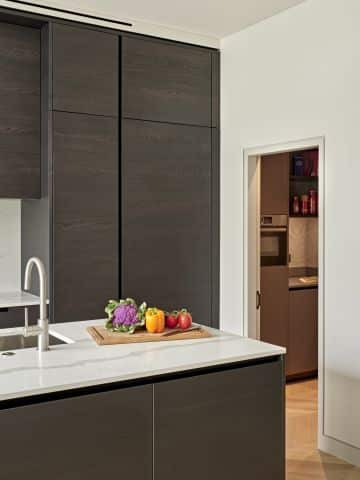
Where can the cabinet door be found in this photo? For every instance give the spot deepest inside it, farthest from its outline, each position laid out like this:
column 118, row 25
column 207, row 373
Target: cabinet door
column 166, row 82
column 274, row 313
column 85, row 215
column 275, row 184
column 227, row 425
column 19, row 112
column 303, row 332
column 166, row 216
column 104, row 435
column 85, row 71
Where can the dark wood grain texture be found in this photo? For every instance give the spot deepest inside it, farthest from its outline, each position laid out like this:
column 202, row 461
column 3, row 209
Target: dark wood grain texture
column 303, row 332
column 85, row 71
column 166, row 82
column 275, row 184
column 19, row 112
column 166, row 216
column 215, row 89
column 274, row 314
column 85, row 215
column 107, row 435
column 227, row 424
column 215, row 226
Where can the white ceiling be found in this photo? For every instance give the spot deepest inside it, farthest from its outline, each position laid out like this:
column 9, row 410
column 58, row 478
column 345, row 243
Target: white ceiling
column 214, row 18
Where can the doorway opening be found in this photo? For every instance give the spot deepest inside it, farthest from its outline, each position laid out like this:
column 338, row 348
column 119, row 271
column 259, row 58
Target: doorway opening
column 284, row 268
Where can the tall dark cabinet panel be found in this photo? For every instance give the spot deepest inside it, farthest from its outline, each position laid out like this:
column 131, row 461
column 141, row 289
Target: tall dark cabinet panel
column 85, row 437
column 166, row 82
column 85, row 71
column 19, row 112
column 224, row 422
column 275, row 184
column 275, row 305
column 166, row 215
column 85, row 215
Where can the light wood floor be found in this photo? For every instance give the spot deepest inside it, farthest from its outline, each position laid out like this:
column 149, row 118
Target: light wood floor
column 303, row 460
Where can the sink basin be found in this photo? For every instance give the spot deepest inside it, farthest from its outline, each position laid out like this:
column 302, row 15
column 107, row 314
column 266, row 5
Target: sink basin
column 18, row 342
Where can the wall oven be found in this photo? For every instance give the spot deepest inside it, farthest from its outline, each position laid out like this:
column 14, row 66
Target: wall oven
column 274, row 240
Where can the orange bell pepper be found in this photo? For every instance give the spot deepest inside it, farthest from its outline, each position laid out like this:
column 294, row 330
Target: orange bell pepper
column 155, row 320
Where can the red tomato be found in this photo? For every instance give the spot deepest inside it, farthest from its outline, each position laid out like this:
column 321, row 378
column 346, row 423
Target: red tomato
column 184, row 319
column 171, row 319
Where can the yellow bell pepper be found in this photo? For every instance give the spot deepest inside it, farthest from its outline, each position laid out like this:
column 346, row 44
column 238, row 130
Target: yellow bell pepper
column 155, row 320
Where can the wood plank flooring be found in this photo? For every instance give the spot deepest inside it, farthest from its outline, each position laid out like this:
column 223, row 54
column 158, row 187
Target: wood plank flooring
column 303, row 460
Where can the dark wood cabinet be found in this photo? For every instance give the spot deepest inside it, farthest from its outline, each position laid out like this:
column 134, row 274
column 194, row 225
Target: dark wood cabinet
column 274, row 312
column 225, row 424
column 168, row 82
column 302, row 357
column 167, row 216
column 20, row 111
column 85, row 70
column 85, row 215
column 275, row 184
column 106, row 435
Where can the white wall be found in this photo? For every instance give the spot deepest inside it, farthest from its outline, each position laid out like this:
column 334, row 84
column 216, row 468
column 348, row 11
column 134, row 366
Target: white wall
column 10, row 245
column 291, row 77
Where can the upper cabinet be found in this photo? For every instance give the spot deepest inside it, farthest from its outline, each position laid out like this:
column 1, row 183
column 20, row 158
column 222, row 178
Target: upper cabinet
column 19, row 112
column 275, row 184
column 167, row 82
column 85, row 71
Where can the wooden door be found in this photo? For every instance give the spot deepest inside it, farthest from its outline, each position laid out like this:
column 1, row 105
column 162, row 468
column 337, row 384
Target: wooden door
column 85, row 71
column 303, row 332
column 274, row 313
column 19, row 112
column 275, row 184
column 85, row 215
column 103, row 435
column 167, row 82
column 167, row 216
column 224, row 425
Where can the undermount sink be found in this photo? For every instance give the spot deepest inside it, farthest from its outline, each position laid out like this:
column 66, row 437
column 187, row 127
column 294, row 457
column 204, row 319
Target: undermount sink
column 18, row 342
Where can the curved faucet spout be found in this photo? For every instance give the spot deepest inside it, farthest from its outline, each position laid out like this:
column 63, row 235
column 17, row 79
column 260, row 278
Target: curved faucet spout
column 43, row 320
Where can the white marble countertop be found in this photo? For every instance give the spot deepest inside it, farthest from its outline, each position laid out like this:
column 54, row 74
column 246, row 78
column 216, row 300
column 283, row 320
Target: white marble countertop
column 83, row 363
column 18, row 299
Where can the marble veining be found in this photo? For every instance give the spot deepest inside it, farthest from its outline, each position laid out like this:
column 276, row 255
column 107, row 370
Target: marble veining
column 83, row 363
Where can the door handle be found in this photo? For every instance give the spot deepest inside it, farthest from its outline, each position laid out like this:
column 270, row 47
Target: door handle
column 258, row 299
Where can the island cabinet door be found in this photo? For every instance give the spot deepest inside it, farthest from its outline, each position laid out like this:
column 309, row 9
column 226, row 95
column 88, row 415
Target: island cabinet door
column 223, row 425
column 166, row 216
column 85, row 71
column 85, row 215
column 105, row 435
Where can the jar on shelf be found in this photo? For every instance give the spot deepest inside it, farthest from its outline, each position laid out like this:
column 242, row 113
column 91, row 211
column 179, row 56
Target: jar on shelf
column 305, row 204
column 296, row 205
column 313, row 202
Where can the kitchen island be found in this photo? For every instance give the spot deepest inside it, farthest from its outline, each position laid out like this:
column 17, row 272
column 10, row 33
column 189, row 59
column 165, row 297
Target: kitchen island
column 197, row 409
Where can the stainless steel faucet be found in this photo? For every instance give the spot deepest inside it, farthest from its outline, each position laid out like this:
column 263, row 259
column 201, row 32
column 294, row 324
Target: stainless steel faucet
column 42, row 329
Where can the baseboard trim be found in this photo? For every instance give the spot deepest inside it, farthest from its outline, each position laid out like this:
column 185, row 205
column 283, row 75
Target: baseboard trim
column 339, row 449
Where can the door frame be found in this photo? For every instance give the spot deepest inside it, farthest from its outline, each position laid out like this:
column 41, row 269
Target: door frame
column 250, row 209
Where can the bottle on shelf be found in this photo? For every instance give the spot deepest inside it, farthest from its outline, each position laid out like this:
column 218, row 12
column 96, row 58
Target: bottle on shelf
column 305, row 204
column 296, row 205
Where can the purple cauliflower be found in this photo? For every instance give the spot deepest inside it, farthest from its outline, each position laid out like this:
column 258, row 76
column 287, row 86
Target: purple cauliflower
column 124, row 315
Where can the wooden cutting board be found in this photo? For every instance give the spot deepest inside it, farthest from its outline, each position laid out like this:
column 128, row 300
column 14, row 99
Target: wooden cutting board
column 102, row 336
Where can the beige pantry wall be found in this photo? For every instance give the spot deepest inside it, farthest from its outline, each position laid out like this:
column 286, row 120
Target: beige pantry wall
column 292, row 77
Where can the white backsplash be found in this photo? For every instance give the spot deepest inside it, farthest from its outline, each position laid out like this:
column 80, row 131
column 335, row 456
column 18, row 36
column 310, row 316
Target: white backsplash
column 10, row 245
column 303, row 238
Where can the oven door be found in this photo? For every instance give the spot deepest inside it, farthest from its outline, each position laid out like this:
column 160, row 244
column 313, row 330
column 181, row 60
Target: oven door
column 274, row 246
